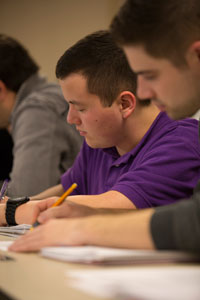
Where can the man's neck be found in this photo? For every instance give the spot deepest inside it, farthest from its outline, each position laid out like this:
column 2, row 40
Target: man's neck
column 137, row 126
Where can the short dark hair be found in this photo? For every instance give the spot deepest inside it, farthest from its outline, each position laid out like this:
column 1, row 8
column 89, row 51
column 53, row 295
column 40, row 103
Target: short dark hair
column 98, row 58
column 165, row 28
column 16, row 65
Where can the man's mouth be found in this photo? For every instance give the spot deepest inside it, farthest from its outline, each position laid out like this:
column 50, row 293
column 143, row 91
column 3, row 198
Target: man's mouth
column 160, row 106
column 81, row 132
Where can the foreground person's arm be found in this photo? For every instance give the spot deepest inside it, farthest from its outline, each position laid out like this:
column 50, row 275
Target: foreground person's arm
column 128, row 230
column 177, row 226
column 171, row 227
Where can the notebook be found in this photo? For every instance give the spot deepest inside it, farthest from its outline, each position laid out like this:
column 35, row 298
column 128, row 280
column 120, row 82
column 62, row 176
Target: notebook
column 102, row 255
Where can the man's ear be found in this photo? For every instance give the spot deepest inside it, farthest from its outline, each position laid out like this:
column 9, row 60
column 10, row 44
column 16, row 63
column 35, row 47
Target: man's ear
column 3, row 91
column 127, row 103
column 193, row 53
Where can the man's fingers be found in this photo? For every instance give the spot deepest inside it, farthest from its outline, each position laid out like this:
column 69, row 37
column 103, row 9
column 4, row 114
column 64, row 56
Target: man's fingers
column 46, row 203
column 32, row 241
column 53, row 212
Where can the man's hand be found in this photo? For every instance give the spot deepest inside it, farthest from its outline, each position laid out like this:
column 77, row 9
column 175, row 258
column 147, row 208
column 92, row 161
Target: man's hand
column 67, row 210
column 4, row 199
column 28, row 213
column 55, row 232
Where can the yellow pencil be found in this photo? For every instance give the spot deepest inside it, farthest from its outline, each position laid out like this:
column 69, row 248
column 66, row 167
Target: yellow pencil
column 67, row 193
column 60, row 200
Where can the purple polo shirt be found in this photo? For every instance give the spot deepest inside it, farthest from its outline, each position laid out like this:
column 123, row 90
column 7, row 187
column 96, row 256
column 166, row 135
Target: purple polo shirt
column 162, row 168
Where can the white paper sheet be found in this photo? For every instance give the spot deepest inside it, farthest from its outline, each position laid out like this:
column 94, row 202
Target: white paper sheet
column 5, row 244
column 146, row 283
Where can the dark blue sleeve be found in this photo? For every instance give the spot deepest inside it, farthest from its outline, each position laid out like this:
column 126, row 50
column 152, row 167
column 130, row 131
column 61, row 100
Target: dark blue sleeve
column 177, row 226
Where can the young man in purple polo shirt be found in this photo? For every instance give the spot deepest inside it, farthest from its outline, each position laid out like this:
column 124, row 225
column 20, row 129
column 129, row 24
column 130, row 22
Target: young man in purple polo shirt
column 133, row 156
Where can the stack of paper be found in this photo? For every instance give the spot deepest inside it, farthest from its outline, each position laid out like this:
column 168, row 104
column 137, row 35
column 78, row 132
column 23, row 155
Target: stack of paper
column 91, row 254
column 146, row 283
column 14, row 231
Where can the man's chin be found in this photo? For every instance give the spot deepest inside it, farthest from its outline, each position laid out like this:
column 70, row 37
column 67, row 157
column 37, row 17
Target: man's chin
column 178, row 115
column 160, row 107
column 91, row 144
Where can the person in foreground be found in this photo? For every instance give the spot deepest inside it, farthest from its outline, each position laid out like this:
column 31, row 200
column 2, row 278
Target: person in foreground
column 34, row 112
column 174, row 84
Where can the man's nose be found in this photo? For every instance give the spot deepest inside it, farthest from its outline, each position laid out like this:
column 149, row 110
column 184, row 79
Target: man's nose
column 144, row 91
column 72, row 117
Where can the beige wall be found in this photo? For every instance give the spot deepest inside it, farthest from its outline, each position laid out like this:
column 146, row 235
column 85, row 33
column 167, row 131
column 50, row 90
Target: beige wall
column 48, row 27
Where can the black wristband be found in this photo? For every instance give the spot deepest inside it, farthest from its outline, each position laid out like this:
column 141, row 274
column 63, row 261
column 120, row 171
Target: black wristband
column 11, row 206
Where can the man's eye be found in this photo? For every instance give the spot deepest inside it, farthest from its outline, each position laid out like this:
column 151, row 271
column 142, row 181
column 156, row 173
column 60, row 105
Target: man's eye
column 81, row 110
column 149, row 77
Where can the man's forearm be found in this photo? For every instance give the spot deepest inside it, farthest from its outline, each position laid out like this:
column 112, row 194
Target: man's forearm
column 131, row 230
column 2, row 215
column 56, row 190
column 110, row 199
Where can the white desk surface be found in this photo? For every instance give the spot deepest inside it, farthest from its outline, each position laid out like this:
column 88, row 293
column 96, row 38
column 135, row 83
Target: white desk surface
column 31, row 277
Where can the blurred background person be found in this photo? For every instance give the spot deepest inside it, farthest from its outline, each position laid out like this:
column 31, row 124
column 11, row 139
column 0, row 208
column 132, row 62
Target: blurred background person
column 34, row 112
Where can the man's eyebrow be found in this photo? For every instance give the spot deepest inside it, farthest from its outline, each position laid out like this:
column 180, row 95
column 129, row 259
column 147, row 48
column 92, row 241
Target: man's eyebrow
column 74, row 102
column 144, row 72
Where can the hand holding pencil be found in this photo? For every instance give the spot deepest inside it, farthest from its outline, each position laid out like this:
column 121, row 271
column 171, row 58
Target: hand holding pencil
column 60, row 200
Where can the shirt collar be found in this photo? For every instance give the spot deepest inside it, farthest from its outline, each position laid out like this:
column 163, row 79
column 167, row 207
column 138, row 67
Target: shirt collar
column 161, row 118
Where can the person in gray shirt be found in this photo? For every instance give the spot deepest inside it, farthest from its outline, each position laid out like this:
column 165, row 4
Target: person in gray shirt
column 34, row 111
